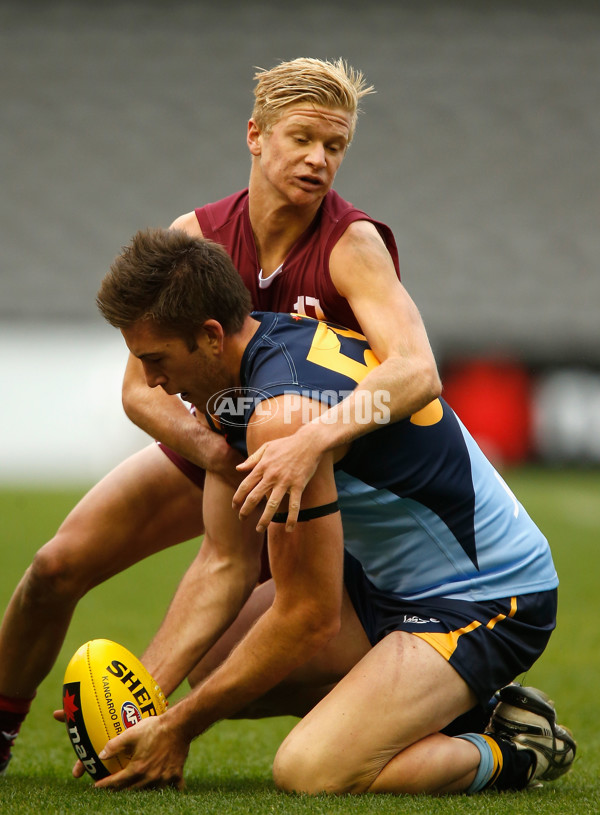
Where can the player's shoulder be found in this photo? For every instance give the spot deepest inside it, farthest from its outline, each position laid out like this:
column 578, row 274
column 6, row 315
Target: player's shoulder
column 272, row 355
column 360, row 251
column 302, row 355
column 285, row 328
column 188, row 222
column 360, row 232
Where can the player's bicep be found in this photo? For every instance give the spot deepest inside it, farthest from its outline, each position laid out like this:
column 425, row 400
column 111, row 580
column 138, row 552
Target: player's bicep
column 226, row 535
column 363, row 272
column 280, row 416
column 288, row 412
column 308, row 562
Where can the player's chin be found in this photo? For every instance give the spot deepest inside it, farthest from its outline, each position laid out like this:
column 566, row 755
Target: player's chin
column 305, row 192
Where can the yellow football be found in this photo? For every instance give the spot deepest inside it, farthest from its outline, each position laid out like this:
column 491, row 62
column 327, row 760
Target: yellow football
column 106, row 690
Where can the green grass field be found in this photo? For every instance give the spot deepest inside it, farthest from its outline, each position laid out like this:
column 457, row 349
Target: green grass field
column 228, row 770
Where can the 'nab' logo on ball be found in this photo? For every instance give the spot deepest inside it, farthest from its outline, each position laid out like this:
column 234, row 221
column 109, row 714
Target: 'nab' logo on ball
column 130, row 715
column 78, row 735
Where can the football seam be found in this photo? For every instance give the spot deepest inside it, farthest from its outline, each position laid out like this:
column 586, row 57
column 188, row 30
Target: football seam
column 122, row 766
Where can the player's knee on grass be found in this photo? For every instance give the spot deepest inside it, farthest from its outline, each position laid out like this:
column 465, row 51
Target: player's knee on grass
column 301, row 766
column 293, row 771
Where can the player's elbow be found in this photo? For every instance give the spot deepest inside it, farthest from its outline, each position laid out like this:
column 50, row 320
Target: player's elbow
column 131, row 399
column 128, row 406
column 128, row 398
column 432, row 383
column 312, row 625
column 320, row 624
column 417, row 383
column 134, row 390
column 427, row 384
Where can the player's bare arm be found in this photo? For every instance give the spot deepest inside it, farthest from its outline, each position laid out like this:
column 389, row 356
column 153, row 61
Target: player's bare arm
column 208, row 598
column 215, row 587
column 363, row 273
column 304, row 616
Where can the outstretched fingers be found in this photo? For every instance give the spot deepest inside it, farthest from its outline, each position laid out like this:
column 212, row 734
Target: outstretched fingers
column 155, row 757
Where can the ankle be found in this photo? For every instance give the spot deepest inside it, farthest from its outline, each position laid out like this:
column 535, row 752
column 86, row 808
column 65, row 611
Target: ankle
column 12, row 715
column 516, row 768
column 15, row 704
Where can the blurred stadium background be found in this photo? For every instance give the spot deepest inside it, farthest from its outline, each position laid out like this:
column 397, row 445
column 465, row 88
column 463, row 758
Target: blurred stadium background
column 480, row 149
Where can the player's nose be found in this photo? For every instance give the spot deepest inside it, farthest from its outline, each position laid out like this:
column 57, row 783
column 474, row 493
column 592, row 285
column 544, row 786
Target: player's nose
column 154, row 379
column 316, row 155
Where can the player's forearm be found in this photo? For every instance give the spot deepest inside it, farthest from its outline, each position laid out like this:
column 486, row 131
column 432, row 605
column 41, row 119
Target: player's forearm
column 164, row 417
column 206, row 602
column 274, row 647
column 307, row 568
column 390, row 392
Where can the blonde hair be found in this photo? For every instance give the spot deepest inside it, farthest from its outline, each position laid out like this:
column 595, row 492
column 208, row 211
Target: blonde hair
column 316, row 81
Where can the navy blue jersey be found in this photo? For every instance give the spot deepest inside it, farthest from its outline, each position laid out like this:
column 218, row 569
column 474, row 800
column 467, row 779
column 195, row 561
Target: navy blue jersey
column 423, row 511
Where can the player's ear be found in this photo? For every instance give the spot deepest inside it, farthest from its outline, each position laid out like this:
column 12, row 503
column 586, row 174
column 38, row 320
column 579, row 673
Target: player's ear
column 213, row 334
column 253, row 138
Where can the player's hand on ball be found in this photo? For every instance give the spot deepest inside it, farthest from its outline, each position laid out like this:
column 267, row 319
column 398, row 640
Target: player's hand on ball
column 155, row 756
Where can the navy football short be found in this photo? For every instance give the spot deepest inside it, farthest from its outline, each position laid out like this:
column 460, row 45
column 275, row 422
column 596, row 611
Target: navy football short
column 489, row 643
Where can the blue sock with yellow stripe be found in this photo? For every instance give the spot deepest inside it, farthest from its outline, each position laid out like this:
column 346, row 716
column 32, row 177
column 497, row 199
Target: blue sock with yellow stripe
column 502, row 766
column 490, row 763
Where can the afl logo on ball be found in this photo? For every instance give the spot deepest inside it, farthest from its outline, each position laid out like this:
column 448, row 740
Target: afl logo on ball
column 130, row 714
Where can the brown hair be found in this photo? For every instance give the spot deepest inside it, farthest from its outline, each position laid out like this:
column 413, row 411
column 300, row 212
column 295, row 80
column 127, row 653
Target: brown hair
column 316, row 81
column 177, row 281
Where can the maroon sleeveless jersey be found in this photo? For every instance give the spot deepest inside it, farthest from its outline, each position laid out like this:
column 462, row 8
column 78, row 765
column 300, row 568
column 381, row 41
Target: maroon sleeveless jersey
column 302, row 284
